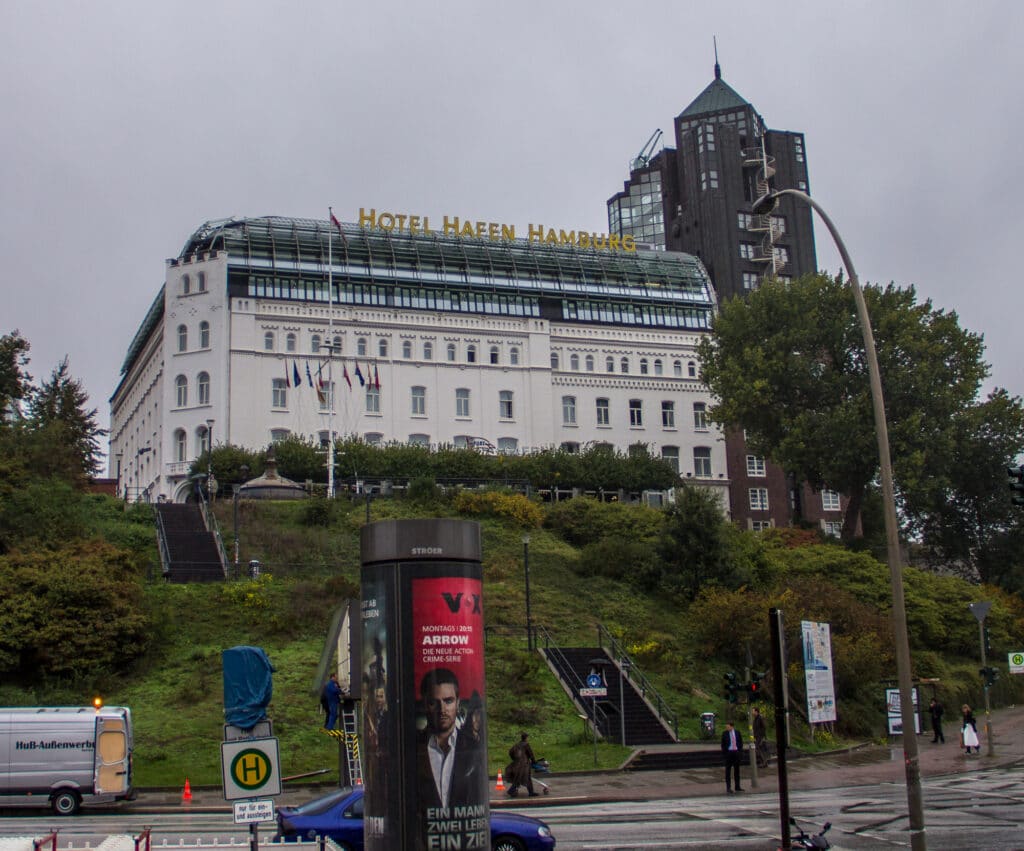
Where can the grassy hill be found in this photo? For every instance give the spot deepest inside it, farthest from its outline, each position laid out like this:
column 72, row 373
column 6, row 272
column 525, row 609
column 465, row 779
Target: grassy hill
column 310, row 556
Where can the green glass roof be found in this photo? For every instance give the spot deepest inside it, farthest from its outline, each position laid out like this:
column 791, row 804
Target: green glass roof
column 717, row 96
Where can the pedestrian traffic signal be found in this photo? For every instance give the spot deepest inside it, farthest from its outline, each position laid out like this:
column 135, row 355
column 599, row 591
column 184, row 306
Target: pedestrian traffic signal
column 1016, row 475
column 731, row 687
column 990, row 675
column 754, row 687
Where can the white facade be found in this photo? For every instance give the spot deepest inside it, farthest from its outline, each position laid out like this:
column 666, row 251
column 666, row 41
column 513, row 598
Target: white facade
column 520, row 382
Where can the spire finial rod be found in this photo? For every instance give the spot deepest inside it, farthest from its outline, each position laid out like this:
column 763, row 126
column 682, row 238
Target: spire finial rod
column 718, row 68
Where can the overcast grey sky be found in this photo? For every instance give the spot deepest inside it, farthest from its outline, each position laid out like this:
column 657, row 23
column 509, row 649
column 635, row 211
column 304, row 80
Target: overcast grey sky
column 128, row 124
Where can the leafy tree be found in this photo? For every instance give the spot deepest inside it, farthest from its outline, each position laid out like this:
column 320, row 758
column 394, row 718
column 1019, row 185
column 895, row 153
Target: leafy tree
column 62, row 399
column 70, row 612
column 694, row 546
column 15, row 382
column 788, row 365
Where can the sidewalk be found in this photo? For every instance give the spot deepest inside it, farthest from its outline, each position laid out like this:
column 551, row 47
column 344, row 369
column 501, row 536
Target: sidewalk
column 869, row 764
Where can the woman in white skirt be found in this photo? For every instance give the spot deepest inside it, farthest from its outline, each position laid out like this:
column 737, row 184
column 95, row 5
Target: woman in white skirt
column 969, row 731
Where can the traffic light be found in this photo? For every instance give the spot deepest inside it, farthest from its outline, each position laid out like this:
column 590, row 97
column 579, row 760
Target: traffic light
column 990, row 675
column 731, row 687
column 1016, row 475
column 754, row 687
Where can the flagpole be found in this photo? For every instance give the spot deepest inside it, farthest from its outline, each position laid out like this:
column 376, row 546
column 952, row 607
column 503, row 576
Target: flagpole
column 330, row 354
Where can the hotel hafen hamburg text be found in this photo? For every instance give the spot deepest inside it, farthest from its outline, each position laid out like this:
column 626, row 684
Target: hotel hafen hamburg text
column 450, row 332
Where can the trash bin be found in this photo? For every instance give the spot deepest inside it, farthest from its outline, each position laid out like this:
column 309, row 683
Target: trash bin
column 707, row 725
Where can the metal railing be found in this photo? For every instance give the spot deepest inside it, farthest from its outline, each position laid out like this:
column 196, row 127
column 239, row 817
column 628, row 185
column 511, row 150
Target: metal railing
column 640, row 682
column 210, row 520
column 161, row 542
column 573, row 682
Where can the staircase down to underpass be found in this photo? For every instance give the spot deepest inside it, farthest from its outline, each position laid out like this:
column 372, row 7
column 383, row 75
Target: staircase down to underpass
column 572, row 665
column 189, row 551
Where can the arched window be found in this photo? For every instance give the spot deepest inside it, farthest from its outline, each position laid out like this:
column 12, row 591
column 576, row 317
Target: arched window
column 495, row 357
column 279, row 434
column 314, row 343
column 202, row 440
column 186, row 285
column 643, row 366
column 609, row 364
column 204, row 335
column 182, row 338
column 508, row 445
column 513, row 356
column 691, row 369
column 451, row 351
column 471, row 353
column 569, row 410
column 659, row 368
column 624, row 366
column 336, row 344
column 268, row 341
column 407, row 349
column 180, row 445
column 419, row 440
column 554, row 360
column 203, row 388
column 677, row 368
column 589, row 363
column 574, row 362
column 289, row 343
column 382, row 348
column 428, row 350
column 361, row 347
column 201, row 282
column 181, row 391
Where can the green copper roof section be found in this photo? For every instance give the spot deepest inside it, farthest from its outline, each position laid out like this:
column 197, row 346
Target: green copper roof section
column 304, row 246
column 717, row 96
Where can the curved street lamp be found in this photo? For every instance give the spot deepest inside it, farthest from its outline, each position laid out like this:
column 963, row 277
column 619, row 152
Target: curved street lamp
column 762, row 207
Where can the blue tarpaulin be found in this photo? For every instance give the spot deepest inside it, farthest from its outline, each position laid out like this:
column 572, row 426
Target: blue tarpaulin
column 248, row 686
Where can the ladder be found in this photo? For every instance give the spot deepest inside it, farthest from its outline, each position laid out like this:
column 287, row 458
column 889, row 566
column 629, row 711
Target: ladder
column 348, row 742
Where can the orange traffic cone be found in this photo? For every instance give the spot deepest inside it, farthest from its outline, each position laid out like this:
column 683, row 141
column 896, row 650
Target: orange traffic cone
column 500, row 785
column 186, row 796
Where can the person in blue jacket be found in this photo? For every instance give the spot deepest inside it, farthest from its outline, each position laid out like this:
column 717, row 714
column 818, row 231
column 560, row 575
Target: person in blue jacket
column 332, row 698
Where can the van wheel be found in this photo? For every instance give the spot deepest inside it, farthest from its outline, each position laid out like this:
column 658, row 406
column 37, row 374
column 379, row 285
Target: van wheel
column 65, row 803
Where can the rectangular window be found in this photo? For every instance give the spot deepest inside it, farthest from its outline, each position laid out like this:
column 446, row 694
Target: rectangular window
column 603, row 417
column 636, row 413
column 761, row 525
column 326, row 396
column 419, row 401
column 671, row 454
column 700, row 416
column 755, row 465
column 372, row 400
column 279, row 393
column 702, row 462
column 747, row 250
column 745, row 221
column 462, row 402
column 668, row 414
column 833, row 528
column 505, row 404
column 829, row 501
column 750, row 280
column 569, row 410
column 758, row 499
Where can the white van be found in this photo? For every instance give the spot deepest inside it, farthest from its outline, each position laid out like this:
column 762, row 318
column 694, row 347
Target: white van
column 65, row 756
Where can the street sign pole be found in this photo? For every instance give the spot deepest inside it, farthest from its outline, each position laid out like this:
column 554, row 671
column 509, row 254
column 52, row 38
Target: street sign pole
column 781, row 717
column 980, row 611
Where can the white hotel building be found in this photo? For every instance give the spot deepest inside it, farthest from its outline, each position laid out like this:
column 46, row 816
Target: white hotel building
column 526, row 343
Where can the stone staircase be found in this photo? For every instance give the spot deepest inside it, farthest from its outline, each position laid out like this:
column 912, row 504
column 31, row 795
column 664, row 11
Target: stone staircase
column 188, row 550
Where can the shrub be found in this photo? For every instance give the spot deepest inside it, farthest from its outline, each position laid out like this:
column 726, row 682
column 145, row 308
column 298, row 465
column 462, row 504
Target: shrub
column 423, row 490
column 495, row 503
column 584, row 520
column 621, row 558
column 318, row 511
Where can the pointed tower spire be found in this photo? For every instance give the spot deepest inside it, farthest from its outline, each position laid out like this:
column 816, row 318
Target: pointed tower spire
column 718, row 68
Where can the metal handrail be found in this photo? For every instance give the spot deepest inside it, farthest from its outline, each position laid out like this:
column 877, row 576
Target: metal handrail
column 161, row 542
column 598, row 717
column 633, row 673
column 210, row 520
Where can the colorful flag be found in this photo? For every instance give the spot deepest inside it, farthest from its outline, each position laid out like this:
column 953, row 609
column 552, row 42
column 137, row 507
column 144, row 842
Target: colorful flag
column 309, row 375
column 376, row 377
column 296, row 375
column 359, row 375
column 287, row 383
column 334, row 221
column 344, row 371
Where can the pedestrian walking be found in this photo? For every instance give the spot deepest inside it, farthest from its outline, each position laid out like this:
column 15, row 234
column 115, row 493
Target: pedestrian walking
column 520, row 769
column 760, row 738
column 935, row 710
column 732, row 748
column 969, row 731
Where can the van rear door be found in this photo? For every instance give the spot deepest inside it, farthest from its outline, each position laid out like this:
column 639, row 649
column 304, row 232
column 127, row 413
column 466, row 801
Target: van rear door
column 113, row 755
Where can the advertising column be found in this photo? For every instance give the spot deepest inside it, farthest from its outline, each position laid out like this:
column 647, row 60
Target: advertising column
column 425, row 727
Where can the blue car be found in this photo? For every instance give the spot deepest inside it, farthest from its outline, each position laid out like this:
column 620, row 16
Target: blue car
column 339, row 817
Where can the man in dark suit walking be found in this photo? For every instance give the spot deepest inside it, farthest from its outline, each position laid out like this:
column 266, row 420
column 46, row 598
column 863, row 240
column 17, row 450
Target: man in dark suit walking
column 732, row 750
